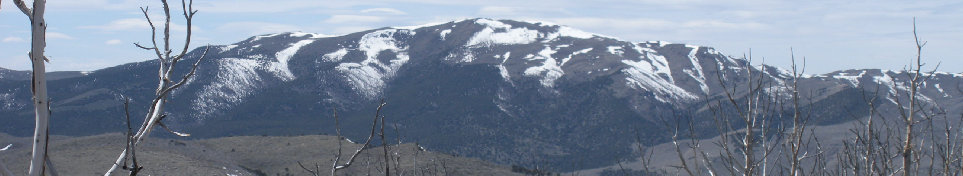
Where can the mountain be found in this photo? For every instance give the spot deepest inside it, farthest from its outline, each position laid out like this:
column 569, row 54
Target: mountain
column 512, row 92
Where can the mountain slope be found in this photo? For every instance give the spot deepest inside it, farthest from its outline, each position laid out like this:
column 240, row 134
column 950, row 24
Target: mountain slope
column 527, row 93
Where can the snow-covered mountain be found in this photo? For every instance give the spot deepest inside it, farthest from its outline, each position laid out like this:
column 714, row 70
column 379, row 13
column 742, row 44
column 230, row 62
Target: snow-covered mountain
column 507, row 91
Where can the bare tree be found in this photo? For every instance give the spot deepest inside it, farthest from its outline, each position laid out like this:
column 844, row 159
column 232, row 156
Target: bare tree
column 336, row 165
column 909, row 116
column 38, row 84
column 167, row 63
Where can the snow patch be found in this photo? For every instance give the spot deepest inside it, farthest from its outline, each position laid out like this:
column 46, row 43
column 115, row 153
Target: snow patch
column 851, row 78
column 574, row 33
column 281, row 67
column 256, row 38
column 227, row 48
column 640, row 75
column 444, row 33
column 696, row 71
column 335, row 56
column 616, row 50
column 583, row 51
column 940, row 89
column 511, row 36
column 368, row 77
column 313, row 35
column 549, row 70
column 236, row 79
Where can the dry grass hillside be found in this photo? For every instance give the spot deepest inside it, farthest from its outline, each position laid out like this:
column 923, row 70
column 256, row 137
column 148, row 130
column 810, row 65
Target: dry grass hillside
column 245, row 155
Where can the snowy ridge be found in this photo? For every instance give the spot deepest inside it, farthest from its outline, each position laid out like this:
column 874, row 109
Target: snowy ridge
column 511, row 36
column 368, row 77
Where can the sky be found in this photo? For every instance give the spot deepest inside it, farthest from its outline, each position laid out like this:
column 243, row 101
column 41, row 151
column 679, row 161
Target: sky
column 86, row 35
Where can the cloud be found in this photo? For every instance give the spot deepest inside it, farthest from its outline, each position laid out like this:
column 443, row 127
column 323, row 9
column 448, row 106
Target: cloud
column 390, row 11
column 497, row 10
column 57, row 35
column 13, row 40
column 353, row 19
column 112, row 42
column 261, row 6
column 128, row 24
column 256, row 28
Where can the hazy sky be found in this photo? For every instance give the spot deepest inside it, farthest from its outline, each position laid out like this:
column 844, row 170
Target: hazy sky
column 831, row 34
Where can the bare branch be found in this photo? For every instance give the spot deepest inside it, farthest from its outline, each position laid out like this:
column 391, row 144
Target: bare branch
column 23, row 8
column 367, row 142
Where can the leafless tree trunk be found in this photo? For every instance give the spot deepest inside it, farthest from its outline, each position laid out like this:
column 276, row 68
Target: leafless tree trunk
column 38, row 83
column 335, row 166
column 909, row 117
column 167, row 64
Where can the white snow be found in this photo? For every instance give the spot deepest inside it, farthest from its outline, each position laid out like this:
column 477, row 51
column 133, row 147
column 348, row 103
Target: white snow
column 651, row 72
column 335, row 56
column 504, row 73
column 444, row 33
column 281, row 67
column 583, row 51
column 640, row 75
column 6, row 148
column 369, row 76
column 236, row 79
column 696, row 71
column 616, row 50
column 227, row 48
column 574, row 33
column 549, row 70
column 852, row 79
column 660, row 43
column 940, row 89
column 256, row 38
column 660, row 64
column 511, row 36
column 313, row 35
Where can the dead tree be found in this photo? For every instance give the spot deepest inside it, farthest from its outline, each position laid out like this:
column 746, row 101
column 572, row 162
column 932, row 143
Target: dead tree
column 909, row 115
column 167, row 62
column 336, row 165
column 38, row 84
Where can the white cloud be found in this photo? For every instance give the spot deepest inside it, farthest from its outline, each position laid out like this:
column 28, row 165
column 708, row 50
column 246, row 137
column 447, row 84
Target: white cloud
column 57, row 35
column 256, row 28
column 390, row 11
column 112, row 42
column 128, row 24
column 13, row 40
column 497, row 10
column 353, row 19
column 261, row 6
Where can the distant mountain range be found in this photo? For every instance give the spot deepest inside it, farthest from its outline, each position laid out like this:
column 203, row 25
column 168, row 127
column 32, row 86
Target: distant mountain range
column 512, row 92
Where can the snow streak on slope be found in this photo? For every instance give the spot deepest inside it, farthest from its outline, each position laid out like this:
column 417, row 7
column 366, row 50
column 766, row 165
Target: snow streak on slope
column 281, row 67
column 368, row 77
column 696, row 71
column 651, row 72
column 549, row 70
